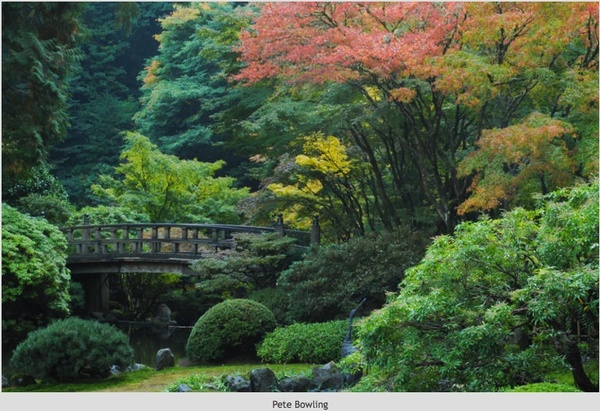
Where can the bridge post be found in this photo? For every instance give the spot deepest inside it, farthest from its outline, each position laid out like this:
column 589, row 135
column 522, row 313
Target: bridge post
column 315, row 231
column 96, row 292
column 112, row 246
column 97, row 240
column 195, row 237
column 184, row 236
column 279, row 226
column 85, row 235
column 155, row 243
column 139, row 245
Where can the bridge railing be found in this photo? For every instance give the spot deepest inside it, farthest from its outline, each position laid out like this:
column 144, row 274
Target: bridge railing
column 177, row 240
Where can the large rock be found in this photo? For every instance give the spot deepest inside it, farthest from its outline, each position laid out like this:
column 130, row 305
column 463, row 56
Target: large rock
column 296, row 384
column 328, row 377
column 237, row 383
column 263, row 380
column 164, row 358
column 22, row 380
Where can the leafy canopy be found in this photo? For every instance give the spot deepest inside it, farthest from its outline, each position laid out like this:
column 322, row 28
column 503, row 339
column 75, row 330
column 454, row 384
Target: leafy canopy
column 430, row 80
column 168, row 189
column 103, row 91
column 514, row 161
column 496, row 303
column 321, row 180
column 185, row 85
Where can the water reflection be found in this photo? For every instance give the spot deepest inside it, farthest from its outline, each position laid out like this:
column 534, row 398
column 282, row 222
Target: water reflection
column 146, row 340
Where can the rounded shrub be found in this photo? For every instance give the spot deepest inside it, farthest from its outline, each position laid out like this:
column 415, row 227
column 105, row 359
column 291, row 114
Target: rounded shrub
column 314, row 343
column 72, row 349
column 230, row 328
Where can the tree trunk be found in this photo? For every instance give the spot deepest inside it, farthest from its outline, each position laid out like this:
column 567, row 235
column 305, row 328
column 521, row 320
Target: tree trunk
column 568, row 347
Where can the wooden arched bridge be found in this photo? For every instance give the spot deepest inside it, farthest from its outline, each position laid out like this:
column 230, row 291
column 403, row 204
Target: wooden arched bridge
column 96, row 251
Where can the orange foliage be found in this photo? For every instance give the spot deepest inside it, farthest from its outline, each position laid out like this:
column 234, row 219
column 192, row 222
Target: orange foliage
column 150, row 76
column 321, row 42
column 402, row 95
column 511, row 157
column 475, row 52
column 317, row 42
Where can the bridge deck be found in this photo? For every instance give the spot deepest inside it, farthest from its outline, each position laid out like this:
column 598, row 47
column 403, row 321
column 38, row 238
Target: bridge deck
column 120, row 247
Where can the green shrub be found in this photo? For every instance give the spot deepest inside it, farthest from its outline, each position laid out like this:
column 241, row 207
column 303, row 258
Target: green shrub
column 274, row 299
column 330, row 282
column 230, row 328
column 102, row 214
column 72, row 349
column 488, row 308
column 53, row 207
column 544, row 387
column 35, row 279
column 253, row 264
column 308, row 343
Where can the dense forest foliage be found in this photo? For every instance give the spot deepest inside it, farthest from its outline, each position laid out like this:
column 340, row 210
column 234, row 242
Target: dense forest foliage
column 390, row 114
column 442, row 145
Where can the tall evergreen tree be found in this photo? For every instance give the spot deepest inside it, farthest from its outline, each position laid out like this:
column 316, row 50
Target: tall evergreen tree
column 186, row 85
column 104, row 91
column 39, row 52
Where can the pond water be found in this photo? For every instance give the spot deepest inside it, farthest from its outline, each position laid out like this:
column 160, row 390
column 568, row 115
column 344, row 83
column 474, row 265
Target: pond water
column 146, row 342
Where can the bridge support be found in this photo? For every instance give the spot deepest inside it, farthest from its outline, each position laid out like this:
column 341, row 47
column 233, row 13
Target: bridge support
column 96, row 292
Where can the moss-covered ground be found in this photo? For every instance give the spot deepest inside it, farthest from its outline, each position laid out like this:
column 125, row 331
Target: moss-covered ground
column 205, row 378
column 210, row 379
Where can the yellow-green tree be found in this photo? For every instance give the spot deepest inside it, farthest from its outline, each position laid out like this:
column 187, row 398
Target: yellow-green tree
column 168, row 189
column 325, row 180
